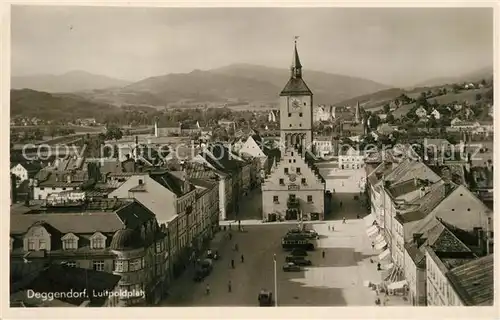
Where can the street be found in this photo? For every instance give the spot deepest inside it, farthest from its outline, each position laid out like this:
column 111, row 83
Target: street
column 336, row 280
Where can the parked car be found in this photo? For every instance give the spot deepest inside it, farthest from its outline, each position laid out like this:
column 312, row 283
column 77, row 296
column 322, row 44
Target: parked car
column 300, row 261
column 306, row 234
column 265, row 298
column 299, row 252
column 291, row 267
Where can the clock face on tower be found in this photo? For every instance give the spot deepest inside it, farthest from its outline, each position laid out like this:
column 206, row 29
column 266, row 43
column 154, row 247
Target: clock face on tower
column 295, row 103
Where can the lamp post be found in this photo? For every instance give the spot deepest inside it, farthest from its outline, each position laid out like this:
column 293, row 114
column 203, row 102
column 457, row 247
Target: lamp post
column 275, row 283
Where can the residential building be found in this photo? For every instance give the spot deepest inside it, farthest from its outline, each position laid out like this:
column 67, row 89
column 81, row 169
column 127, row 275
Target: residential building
column 458, row 278
column 227, row 124
column 253, row 146
column 172, row 199
column 165, row 128
column 350, row 158
column 207, row 206
column 25, row 171
column 323, row 145
column 115, row 236
column 294, row 189
column 421, row 112
column 436, row 114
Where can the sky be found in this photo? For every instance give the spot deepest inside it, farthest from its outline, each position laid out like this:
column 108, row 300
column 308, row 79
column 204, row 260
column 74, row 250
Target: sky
column 393, row 46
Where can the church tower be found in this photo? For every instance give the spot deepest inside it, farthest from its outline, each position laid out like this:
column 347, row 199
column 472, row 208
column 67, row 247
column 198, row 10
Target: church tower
column 296, row 108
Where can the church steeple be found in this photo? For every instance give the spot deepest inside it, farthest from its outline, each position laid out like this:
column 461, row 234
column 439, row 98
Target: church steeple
column 357, row 116
column 296, row 67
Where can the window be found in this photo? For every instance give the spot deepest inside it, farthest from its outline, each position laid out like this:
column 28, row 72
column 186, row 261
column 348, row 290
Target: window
column 31, row 244
column 53, row 188
column 297, row 170
column 42, row 188
column 305, row 104
column 69, row 244
column 135, row 264
column 309, row 199
column 293, row 160
column 71, row 264
column 282, row 182
column 42, row 245
column 300, row 124
column 275, row 199
column 159, row 247
column 98, row 265
column 303, row 180
column 290, row 125
column 64, row 189
column 286, row 170
column 120, row 266
column 98, row 243
column 290, row 161
column 292, row 197
column 300, row 114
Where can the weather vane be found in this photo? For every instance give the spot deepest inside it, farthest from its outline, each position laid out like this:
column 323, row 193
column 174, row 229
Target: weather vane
column 295, row 38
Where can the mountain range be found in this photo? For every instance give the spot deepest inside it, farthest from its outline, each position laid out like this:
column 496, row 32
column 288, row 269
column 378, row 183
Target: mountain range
column 72, row 81
column 236, row 83
column 476, row 75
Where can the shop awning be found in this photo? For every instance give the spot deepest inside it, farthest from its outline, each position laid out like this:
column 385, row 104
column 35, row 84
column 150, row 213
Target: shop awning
column 384, row 254
column 369, row 219
column 380, row 245
column 397, row 285
column 371, row 231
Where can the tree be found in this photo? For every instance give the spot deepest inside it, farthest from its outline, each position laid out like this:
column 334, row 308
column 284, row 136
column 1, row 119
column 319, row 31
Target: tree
column 390, row 118
column 478, row 96
column 386, row 108
column 483, row 82
column 113, row 132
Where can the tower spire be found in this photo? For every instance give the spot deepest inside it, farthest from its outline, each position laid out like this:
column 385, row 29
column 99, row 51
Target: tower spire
column 357, row 117
column 296, row 67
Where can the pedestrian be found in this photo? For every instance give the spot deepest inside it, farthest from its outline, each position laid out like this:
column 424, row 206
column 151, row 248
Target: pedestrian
column 232, row 263
column 357, row 216
column 329, row 228
column 242, row 259
column 323, row 254
column 207, row 289
column 235, row 247
column 340, row 204
column 229, row 288
column 373, row 245
column 230, row 236
column 333, row 229
column 343, row 220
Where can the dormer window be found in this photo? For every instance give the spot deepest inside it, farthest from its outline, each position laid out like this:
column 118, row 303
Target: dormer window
column 98, row 241
column 70, row 242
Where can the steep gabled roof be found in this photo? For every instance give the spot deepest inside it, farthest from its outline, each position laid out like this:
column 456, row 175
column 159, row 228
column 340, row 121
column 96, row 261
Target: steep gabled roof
column 296, row 86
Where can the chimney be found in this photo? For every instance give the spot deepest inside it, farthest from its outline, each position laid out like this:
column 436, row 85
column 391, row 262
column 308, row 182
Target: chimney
column 68, row 178
column 13, row 189
column 415, row 181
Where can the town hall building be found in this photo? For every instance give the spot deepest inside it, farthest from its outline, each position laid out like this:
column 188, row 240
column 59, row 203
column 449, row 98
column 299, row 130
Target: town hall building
column 294, row 190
